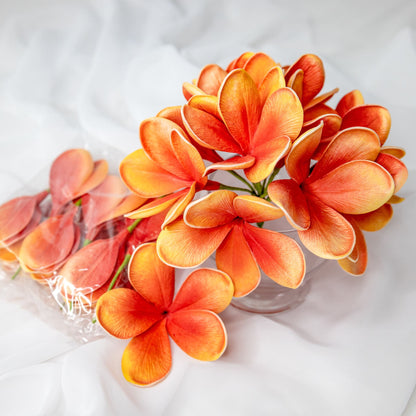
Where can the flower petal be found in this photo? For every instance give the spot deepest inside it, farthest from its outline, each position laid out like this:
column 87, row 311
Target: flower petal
column 330, row 235
column 375, row 220
column 323, row 98
column 356, row 262
column 146, row 178
column 90, row 267
column 235, row 258
column 272, row 81
column 210, row 79
column 254, row 209
column 50, row 242
column 189, row 159
column 157, row 205
column 201, row 334
column 357, row 143
column 97, row 176
column 240, row 61
column 374, row 117
column 124, row 314
column 15, row 215
column 240, row 107
column 177, row 209
column 279, row 256
column 288, row 196
column 130, row 203
column 155, row 136
column 152, row 279
column 101, row 201
column 355, row 187
column 208, row 131
column 179, row 245
column 206, row 289
column 322, row 113
column 394, row 151
column 147, row 358
column 68, row 173
column 395, row 167
column 206, row 103
column 296, row 82
column 298, row 161
column 352, row 99
column 234, row 163
column 282, row 115
column 267, row 155
column 212, row 210
column 258, row 65
column 314, row 75
column 189, row 90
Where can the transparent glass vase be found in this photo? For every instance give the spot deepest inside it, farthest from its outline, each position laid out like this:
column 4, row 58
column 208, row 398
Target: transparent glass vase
column 270, row 297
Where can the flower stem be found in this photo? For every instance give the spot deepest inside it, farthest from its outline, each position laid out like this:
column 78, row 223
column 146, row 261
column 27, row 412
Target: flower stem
column 131, row 228
column 119, row 270
column 240, row 178
column 86, row 242
column 15, row 274
column 234, row 188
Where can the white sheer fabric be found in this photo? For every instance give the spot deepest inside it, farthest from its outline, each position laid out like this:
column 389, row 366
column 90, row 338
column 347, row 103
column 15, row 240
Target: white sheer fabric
column 72, row 72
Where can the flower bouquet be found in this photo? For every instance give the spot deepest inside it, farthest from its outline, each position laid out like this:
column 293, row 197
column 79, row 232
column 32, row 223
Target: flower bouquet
column 289, row 155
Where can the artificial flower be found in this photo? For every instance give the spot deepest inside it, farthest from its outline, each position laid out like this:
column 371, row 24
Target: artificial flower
column 221, row 221
column 261, row 134
column 72, row 174
column 149, row 314
column 345, row 180
column 168, row 168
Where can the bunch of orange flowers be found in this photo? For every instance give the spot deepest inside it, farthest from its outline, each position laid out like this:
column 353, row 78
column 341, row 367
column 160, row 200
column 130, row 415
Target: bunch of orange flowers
column 327, row 170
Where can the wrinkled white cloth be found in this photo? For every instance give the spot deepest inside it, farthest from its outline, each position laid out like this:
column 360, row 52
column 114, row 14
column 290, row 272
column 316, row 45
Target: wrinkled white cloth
column 73, row 73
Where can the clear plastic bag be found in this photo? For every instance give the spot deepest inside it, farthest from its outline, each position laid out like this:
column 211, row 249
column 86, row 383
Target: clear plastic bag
column 69, row 242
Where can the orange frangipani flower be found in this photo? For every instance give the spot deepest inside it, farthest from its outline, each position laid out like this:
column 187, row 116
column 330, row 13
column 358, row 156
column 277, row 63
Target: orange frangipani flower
column 346, row 181
column 149, row 314
column 261, row 134
column 221, row 221
column 168, row 168
column 72, row 174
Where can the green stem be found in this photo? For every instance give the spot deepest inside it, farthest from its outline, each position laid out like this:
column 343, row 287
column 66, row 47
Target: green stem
column 19, row 269
column 234, row 188
column 78, row 203
column 240, row 178
column 86, row 242
column 258, row 187
column 271, row 177
column 131, row 228
column 119, row 270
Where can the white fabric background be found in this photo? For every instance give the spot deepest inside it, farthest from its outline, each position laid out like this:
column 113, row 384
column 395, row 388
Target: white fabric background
column 76, row 72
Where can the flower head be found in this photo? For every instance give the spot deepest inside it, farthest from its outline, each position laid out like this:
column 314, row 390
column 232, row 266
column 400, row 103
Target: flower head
column 221, row 221
column 149, row 314
column 345, row 181
column 168, row 168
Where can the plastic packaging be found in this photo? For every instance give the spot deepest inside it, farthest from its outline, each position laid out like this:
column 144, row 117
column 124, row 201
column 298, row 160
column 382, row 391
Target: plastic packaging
column 69, row 242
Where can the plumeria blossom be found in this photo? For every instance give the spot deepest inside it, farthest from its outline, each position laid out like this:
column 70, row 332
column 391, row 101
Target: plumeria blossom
column 150, row 314
column 345, row 181
column 221, row 221
column 168, row 168
column 72, row 174
column 260, row 134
